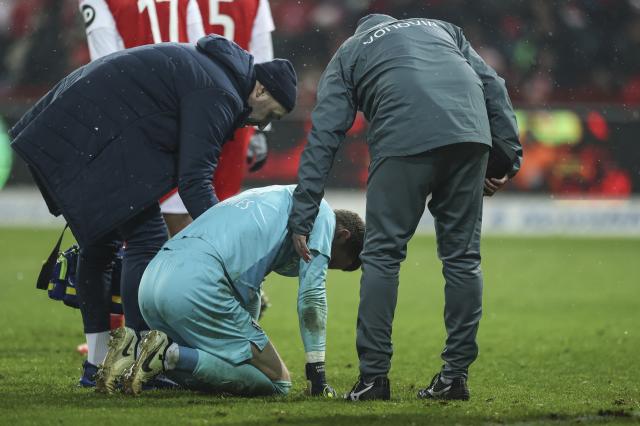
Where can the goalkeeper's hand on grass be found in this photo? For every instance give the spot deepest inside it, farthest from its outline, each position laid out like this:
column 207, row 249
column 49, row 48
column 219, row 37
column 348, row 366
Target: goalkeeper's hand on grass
column 316, row 381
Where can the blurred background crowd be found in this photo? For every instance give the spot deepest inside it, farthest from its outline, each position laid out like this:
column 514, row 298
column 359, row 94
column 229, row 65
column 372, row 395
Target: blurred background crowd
column 548, row 51
column 572, row 68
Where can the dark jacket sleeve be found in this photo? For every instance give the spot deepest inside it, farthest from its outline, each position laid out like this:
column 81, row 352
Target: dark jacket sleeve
column 332, row 117
column 502, row 118
column 206, row 117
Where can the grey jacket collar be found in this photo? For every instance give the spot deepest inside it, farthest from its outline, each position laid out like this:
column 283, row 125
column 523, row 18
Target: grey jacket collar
column 372, row 22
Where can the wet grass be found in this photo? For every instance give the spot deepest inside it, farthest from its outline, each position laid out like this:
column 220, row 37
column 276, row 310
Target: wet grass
column 559, row 343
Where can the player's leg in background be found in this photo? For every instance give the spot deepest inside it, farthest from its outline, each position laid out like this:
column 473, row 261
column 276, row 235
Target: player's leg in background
column 93, row 276
column 456, row 206
column 145, row 234
column 232, row 165
column 396, row 194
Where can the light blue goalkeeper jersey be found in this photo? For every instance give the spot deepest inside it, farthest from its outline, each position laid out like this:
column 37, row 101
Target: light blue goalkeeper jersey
column 248, row 234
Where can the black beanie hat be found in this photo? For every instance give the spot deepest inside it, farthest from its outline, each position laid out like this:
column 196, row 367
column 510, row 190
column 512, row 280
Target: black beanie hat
column 279, row 78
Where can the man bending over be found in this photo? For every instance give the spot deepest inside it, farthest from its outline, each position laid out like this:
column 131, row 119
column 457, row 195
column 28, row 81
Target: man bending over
column 201, row 296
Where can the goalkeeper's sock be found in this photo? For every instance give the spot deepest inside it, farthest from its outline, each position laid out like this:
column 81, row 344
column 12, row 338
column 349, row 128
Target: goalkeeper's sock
column 98, row 346
column 180, row 358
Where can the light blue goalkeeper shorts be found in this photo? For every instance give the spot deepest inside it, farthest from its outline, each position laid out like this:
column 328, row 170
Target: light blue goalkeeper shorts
column 185, row 294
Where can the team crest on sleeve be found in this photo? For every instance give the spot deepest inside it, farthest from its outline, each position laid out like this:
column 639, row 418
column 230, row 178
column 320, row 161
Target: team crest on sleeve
column 89, row 14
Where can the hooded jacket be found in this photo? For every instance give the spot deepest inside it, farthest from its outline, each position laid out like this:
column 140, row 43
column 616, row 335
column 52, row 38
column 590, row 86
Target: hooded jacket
column 115, row 135
column 420, row 86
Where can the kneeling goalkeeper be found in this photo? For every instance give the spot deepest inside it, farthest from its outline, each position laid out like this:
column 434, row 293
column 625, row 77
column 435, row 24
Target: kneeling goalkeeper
column 201, row 296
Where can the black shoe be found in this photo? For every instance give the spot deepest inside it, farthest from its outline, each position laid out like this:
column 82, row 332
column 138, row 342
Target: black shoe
column 362, row 391
column 457, row 389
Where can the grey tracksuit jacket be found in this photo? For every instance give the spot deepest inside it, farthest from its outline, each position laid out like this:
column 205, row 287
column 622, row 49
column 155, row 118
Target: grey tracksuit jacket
column 420, row 86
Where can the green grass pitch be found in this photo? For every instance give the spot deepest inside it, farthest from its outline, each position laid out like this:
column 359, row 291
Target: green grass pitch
column 559, row 343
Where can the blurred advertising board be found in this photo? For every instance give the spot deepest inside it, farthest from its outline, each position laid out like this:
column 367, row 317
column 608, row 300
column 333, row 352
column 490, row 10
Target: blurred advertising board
column 574, row 152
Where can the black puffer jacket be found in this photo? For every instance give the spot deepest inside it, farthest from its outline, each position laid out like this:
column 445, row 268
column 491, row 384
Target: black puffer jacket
column 115, row 135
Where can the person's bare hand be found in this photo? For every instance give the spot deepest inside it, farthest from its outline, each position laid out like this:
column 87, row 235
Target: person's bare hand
column 300, row 245
column 492, row 185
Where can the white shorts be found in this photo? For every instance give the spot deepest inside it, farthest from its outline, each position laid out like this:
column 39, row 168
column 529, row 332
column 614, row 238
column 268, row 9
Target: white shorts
column 173, row 205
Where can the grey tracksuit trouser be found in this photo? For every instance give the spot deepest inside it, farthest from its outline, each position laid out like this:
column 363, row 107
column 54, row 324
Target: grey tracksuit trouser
column 397, row 191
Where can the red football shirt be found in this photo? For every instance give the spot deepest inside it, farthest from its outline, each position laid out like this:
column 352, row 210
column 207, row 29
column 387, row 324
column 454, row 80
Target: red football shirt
column 113, row 25
column 232, row 19
column 150, row 21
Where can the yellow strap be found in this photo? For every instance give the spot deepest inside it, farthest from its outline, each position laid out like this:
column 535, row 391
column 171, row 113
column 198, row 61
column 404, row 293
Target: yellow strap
column 63, row 267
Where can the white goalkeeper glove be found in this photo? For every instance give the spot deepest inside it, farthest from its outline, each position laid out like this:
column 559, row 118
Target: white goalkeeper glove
column 257, row 151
